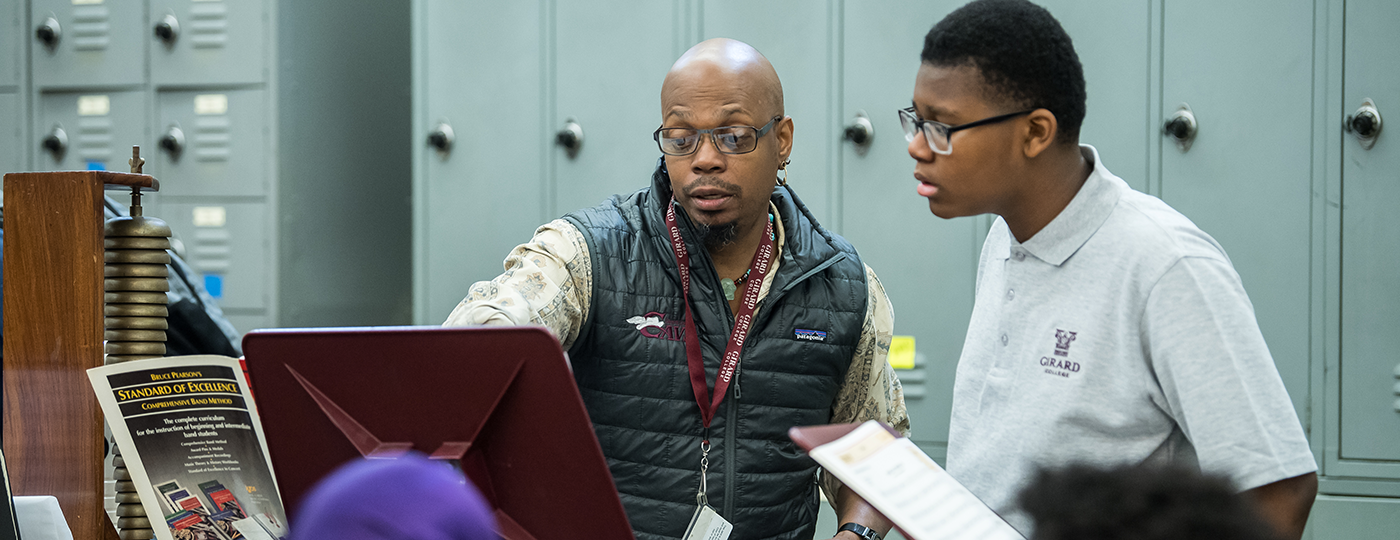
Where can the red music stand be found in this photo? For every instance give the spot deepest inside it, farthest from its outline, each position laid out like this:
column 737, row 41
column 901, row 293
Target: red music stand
column 501, row 401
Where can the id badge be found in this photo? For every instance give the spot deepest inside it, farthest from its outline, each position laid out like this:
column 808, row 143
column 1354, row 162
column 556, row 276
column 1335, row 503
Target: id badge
column 706, row 524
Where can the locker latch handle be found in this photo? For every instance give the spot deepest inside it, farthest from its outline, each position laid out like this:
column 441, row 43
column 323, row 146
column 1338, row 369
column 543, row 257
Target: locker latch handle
column 49, row 32
column 173, row 142
column 860, row 132
column 1365, row 123
column 168, row 29
column 1181, row 127
column 570, row 137
column 56, row 142
column 442, row 137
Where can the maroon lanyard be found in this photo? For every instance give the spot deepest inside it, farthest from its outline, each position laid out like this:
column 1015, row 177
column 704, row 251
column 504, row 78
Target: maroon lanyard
column 742, row 320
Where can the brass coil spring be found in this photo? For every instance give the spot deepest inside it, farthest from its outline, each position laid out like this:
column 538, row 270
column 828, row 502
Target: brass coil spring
column 135, row 309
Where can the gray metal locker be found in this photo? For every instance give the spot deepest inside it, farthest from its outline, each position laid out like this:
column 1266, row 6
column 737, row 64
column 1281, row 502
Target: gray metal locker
column 478, row 94
column 609, row 81
column 806, row 62
column 926, row 264
column 227, row 242
column 1246, row 179
column 87, row 130
column 87, row 43
column 1116, row 72
column 11, row 139
column 1354, row 518
column 207, row 42
column 1370, row 241
column 11, row 42
column 212, row 142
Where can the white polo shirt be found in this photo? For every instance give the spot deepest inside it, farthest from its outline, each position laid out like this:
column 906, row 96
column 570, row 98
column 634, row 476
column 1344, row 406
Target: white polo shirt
column 1118, row 334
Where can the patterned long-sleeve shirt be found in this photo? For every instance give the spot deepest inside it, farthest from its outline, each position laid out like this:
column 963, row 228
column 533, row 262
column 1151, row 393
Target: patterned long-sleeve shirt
column 548, row 281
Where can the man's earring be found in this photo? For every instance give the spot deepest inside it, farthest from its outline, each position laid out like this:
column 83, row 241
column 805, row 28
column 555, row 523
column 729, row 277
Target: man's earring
column 783, row 181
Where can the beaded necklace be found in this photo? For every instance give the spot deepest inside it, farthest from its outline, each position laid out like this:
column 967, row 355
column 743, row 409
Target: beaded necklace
column 732, row 285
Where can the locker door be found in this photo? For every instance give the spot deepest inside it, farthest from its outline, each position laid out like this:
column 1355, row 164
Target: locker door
column 478, row 71
column 11, row 42
column 87, row 42
column 1247, row 75
column 1112, row 40
column 926, row 264
column 206, row 41
column 211, row 143
column 11, row 140
column 609, row 82
column 805, row 62
column 81, row 130
column 228, row 244
column 1370, row 365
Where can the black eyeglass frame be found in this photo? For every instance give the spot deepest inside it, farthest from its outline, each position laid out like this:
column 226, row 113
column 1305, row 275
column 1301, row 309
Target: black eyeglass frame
column 948, row 130
column 700, row 134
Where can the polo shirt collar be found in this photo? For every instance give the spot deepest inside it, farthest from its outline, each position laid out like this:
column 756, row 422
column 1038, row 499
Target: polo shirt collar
column 1089, row 209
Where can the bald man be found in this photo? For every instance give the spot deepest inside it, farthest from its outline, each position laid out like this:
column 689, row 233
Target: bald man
column 784, row 325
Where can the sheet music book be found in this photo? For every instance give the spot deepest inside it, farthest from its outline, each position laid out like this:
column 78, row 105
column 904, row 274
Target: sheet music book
column 904, row 484
column 192, row 441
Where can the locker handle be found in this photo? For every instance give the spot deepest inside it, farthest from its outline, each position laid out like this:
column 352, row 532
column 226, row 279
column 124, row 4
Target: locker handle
column 49, row 32
column 860, row 131
column 1181, row 126
column 570, row 137
column 56, row 142
column 1365, row 123
column 442, row 137
column 168, row 29
column 173, row 142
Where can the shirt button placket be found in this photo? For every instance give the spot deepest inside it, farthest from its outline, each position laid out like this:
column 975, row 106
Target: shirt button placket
column 1005, row 340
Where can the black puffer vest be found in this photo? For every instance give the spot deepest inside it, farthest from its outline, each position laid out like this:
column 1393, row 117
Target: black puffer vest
column 630, row 365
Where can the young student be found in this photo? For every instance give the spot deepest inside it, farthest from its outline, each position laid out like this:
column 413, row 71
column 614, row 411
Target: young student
column 1139, row 502
column 1107, row 328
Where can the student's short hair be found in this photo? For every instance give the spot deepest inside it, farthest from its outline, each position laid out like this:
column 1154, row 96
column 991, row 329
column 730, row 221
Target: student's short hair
column 1141, row 502
column 1023, row 54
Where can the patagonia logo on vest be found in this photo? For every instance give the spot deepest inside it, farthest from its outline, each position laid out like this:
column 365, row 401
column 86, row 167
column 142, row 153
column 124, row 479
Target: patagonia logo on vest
column 810, row 335
column 655, row 325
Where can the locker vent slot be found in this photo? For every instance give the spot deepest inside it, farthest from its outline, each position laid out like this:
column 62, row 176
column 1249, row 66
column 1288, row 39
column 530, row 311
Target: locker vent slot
column 95, row 138
column 211, row 138
column 209, row 27
column 913, row 379
column 91, row 29
column 212, row 251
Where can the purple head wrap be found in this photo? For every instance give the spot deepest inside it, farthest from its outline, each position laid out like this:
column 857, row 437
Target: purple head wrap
column 394, row 499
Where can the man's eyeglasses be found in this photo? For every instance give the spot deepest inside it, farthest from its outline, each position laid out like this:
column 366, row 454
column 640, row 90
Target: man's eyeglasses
column 728, row 139
column 938, row 134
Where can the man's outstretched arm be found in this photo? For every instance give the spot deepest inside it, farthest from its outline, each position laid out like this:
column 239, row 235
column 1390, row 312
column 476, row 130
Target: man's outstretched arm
column 547, row 281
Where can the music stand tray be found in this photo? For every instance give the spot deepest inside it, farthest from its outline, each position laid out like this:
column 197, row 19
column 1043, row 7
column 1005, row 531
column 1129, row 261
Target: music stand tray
column 499, row 401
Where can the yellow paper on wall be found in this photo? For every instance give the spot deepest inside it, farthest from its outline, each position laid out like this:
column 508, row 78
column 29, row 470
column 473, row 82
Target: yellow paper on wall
column 902, row 352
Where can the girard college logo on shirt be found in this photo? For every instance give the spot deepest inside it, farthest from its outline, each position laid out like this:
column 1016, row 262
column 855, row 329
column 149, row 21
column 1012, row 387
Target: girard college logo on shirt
column 655, row 325
column 1060, row 364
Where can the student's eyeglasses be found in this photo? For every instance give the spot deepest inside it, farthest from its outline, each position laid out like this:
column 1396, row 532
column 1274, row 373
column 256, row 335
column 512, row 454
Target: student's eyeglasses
column 728, row 139
column 938, row 134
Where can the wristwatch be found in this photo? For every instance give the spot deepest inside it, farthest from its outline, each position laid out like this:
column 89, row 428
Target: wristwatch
column 861, row 530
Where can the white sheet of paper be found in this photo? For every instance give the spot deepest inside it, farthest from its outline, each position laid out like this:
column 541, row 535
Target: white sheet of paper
column 905, row 485
column 708, row 525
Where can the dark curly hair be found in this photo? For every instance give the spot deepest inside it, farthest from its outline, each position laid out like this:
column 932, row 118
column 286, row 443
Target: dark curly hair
column 1023, row 54
column 1141, row 502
